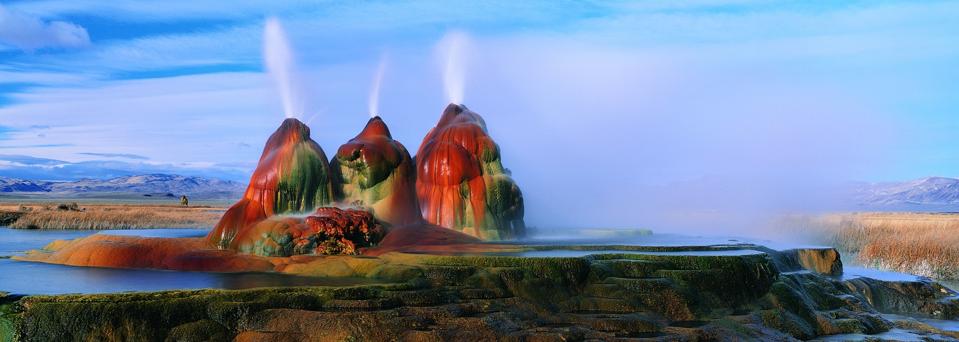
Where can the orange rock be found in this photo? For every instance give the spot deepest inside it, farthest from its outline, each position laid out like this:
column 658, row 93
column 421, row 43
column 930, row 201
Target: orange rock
column 292, row 176
column 185, row 254
column 461, row 183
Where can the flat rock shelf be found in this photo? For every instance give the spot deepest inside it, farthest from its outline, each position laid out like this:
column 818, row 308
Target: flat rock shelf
column 517, row 292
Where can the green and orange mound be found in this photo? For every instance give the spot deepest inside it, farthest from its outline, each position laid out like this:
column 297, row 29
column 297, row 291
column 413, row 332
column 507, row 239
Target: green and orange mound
column 328, row 231
column 374, row 171
column 292, row 176
column 461, row 182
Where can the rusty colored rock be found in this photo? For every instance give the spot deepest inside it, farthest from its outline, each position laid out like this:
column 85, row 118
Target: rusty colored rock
column 461, row 182
column 292, row 176
column 328, row 231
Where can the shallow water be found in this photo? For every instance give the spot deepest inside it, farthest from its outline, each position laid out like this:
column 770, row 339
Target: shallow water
column 639, row 238
column 21, row 277
column 567, row 253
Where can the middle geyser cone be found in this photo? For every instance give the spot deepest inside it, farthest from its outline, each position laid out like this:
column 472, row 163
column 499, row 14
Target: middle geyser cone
column 376, row 172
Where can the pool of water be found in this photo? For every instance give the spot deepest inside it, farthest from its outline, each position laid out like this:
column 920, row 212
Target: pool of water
column 560, row 253
column 641, row 238
column 852, row 271
column 21, row 277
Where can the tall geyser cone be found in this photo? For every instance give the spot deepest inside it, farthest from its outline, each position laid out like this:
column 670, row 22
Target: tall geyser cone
column 376, row 172
column 461, row 182
column 292, row 176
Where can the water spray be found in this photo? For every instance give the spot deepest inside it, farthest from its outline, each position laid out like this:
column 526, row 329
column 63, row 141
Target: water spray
column 279, row 61
column 454, row 71
column 374, row 101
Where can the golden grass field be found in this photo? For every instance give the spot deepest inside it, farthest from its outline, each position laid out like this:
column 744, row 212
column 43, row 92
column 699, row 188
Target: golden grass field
column 925, row 244
column 108, row 216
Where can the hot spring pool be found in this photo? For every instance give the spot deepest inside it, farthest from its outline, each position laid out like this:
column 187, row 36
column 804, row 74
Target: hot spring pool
column 21, row 277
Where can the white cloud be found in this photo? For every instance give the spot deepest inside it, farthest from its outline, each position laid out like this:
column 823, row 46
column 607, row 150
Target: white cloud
column 31, row 33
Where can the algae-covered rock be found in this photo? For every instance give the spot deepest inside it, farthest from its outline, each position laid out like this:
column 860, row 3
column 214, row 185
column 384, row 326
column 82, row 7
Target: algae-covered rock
column 665, row 295
column 292, row 176
column 328, row 231
column 461, row 182
column 374, row 171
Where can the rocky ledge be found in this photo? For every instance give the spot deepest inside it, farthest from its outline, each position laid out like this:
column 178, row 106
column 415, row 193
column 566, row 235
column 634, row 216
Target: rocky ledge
column 520, row 293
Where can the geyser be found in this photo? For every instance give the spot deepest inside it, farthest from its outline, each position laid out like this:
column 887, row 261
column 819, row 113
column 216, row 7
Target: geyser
column 374, row 100
column 375, row 172
column 451, row 49
column 292, row 176
column 461, row 182
column 280, row 66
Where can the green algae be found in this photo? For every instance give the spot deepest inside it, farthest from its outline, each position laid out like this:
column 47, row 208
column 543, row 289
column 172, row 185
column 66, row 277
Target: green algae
column 621, row 295
column 307, row 184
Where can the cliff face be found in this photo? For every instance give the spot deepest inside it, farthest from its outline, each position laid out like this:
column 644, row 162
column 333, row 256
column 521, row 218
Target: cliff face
column 292, row 177
column 461, row 182
column 376, row 172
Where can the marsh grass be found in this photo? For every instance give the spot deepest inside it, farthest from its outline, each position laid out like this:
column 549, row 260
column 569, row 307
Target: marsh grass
column 925, row 244
column 111, row 216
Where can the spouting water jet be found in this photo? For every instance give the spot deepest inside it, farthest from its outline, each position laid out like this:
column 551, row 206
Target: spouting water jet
column 451, row 49
column 280, row 65
column 374, row 101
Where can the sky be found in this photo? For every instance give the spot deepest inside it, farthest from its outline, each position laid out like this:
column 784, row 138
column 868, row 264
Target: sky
column 621, row 107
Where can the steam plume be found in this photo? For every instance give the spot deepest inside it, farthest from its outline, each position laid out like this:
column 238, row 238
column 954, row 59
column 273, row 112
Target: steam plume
column 280, row 66
column 454, row 71
column 374, row 101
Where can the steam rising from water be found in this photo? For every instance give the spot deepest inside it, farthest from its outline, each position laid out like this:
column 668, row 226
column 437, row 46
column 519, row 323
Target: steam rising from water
column 280, row 66
column 451, row 48
column 374, row 101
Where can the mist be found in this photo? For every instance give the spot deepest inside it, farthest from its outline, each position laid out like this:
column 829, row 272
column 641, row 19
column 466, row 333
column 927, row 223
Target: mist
column 279, row 60
column 617, row 138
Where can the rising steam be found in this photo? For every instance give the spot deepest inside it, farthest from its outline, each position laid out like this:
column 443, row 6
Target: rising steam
column 280, row 66
column 451, row 48
column 374, row 101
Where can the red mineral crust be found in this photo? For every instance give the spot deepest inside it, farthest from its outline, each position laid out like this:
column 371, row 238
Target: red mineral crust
column 461, row 183
column 376, row 172
column 292, row 177
column 328, row 231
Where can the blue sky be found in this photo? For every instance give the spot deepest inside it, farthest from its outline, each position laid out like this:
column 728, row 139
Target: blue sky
column 599, row 98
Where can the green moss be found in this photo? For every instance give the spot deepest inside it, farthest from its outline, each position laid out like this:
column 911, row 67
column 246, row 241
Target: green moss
column 203, row 330
column 9, row 318
column 307, row 184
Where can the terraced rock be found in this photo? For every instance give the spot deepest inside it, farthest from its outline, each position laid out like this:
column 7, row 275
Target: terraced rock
column 641, row 292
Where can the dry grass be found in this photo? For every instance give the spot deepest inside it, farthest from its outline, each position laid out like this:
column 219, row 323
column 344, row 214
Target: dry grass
column 111, row 216
column 916, row 243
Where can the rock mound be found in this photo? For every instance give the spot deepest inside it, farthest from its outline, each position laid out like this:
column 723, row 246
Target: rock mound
column 461, row 182
column 376, row 172
column 292, row 176
column 328, row 231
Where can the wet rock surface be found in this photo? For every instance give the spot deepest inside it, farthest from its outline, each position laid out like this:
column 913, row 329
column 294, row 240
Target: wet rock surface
column 641, row 293
column 376, row 172
column 461, row 182
column 292, row 176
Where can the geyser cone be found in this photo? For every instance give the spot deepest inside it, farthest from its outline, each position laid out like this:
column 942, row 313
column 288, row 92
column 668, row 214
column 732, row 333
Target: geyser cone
column 376, row 172
column 292, row 177
column 461, row 182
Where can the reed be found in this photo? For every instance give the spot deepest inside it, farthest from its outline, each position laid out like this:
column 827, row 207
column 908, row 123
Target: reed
column 925, row 244
column 110, row 216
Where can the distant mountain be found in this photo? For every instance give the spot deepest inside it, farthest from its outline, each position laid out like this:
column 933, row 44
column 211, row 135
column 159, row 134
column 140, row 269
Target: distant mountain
column 150, row 184
column 28, row 167
column 20, row 185
column 929, row 191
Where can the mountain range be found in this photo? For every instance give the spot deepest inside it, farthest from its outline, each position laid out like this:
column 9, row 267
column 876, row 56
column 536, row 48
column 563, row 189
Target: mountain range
column 149, row 184
column 931, row 192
